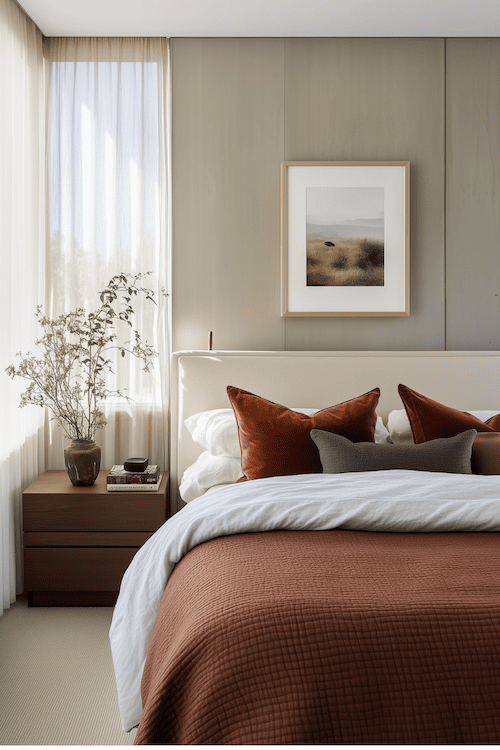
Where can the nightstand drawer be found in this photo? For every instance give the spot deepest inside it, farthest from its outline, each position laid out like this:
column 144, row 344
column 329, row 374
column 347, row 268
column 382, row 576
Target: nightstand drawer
column 76, row 568
column 52, row 503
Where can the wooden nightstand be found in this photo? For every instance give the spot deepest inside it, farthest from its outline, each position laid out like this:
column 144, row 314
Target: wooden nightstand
column 78, row 541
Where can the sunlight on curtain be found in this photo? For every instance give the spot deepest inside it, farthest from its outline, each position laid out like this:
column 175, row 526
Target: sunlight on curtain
column 108, row 212
column 22, row 231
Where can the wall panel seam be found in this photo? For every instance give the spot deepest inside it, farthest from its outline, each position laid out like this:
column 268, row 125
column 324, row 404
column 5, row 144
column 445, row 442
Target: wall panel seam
column 445, row 169
column 285, row 322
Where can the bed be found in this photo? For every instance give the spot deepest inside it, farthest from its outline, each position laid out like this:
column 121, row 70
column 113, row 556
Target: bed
column 336, row 604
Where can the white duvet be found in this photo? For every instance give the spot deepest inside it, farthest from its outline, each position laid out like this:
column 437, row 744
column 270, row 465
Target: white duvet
column 370, row 501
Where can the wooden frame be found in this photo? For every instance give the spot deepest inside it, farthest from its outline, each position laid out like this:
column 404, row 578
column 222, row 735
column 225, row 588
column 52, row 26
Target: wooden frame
column 363, row 205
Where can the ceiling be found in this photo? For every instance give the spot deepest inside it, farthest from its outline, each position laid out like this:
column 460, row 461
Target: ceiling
column 266, row 18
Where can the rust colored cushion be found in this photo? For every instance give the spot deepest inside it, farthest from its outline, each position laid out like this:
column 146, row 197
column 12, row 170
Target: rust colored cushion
column 275, row 440
column 430, row 420
column 486, row 453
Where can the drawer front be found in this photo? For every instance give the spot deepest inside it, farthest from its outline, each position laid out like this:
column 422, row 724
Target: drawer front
column 49, row 505
column 75, row 569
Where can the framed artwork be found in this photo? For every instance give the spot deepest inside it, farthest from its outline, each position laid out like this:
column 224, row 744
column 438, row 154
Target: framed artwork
column 345, row 238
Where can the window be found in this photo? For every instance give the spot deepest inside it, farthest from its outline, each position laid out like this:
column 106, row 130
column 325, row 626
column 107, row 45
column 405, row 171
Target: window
column 107, row 137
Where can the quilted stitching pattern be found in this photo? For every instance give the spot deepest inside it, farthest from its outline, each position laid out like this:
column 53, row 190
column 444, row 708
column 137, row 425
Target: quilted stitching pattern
column 328, row 637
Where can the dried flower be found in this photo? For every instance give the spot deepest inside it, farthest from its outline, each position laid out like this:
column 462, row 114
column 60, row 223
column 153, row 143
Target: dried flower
column 69, row 376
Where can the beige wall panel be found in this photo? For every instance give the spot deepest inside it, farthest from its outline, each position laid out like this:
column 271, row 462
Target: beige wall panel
column 375, row 99
column 473, row 194
column 227, row 147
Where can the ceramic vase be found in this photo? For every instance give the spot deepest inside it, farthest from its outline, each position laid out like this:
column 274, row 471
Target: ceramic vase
column 83, row 461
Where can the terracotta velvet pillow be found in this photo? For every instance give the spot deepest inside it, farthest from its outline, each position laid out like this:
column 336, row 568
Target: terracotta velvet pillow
column 430, row 420
column 486, row 453
column 276, row 441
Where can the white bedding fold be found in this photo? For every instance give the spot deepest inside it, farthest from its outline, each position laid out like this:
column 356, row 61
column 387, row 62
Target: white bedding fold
column 370, row 501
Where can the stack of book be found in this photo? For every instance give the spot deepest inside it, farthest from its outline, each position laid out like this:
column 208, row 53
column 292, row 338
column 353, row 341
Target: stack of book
column 119, row 480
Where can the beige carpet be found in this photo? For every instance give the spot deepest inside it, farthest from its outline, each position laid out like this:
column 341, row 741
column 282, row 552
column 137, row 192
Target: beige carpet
column 57, row 684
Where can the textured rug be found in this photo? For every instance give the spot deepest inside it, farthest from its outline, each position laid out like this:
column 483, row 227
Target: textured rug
column 57, row 683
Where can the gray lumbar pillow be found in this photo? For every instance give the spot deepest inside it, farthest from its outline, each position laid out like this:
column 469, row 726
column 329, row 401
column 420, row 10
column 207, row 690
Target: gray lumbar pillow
column 450, row 455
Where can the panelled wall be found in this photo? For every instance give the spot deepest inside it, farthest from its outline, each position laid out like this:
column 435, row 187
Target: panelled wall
column 242, row 106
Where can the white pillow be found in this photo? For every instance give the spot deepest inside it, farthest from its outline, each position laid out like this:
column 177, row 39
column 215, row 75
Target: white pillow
column 217, row 432
column 206, row 472
column 399, row 428
column 381, row 431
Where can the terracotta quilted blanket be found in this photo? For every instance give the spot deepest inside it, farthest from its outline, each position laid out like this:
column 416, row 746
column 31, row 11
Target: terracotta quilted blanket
column 286, row 637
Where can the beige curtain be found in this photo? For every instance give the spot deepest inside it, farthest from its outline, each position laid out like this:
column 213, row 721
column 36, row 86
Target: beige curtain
column 108, row 193
column 22, row 231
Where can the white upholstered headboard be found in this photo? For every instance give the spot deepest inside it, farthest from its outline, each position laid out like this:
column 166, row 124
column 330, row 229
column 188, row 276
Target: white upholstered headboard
column 464, row 380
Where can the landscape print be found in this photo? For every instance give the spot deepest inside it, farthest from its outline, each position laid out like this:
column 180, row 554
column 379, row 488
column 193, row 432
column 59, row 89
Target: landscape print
column 345, row 236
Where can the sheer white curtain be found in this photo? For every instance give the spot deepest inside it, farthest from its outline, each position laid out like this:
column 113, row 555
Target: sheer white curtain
column 108, row 212
column 22, row 149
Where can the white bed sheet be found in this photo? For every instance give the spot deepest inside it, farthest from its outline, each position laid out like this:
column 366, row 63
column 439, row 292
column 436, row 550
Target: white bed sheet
column 371, row 501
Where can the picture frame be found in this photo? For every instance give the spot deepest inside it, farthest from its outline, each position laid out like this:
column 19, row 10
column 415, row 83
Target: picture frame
column 345, row 238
